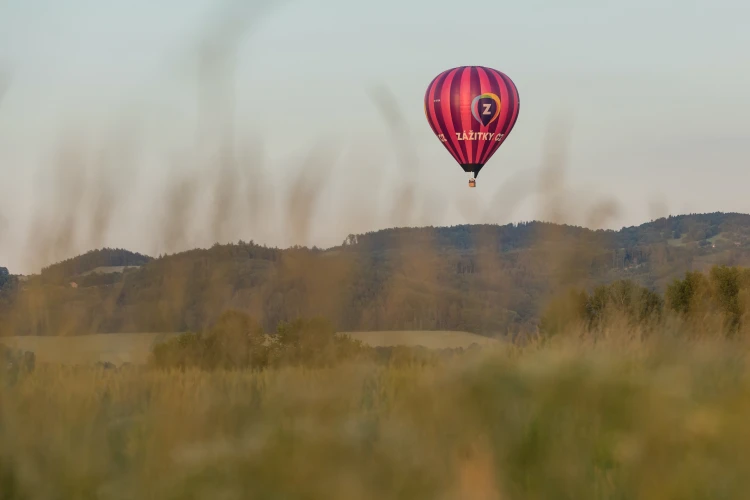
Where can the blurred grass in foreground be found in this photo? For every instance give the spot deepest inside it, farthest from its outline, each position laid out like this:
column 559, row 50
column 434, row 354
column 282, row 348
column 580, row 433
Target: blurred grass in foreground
column 562, row 419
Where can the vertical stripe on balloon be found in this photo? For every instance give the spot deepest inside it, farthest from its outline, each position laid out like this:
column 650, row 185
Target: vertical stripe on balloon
column 437, row 115
column 453, row 107
column 446, row 116
column 464, row 112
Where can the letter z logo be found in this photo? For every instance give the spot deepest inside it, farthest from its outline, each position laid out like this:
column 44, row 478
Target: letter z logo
column 490, row 108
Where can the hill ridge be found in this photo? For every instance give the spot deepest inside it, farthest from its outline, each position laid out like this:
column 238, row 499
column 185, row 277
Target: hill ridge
column 139, row 258
column 479, row 278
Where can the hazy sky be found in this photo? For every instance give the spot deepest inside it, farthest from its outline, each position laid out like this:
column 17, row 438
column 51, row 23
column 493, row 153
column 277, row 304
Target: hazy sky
column 649, row 98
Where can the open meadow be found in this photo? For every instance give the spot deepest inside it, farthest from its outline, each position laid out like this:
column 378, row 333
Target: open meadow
column 115, row 348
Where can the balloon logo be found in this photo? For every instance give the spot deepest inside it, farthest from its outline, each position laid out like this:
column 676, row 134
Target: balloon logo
column 485, row 108
column 471, row 110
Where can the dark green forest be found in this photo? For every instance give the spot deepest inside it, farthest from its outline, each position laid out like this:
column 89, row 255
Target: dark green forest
column 488, row 279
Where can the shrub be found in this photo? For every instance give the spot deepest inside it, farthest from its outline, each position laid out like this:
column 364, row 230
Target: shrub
column 623, row 302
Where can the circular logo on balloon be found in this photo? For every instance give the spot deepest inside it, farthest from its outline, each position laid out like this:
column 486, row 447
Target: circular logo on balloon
column 485, row 108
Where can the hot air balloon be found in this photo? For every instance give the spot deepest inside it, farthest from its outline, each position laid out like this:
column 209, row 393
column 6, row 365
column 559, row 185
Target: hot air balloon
column 471, row 110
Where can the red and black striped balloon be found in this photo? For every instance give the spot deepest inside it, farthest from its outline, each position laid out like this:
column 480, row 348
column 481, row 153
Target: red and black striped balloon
column 471, row 110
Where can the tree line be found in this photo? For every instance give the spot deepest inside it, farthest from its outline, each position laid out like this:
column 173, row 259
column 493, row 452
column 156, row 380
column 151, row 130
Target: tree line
column 716, row 303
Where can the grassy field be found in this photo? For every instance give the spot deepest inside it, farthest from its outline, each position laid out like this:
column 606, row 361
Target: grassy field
column 578, row 420
column 429, row 339
column 119, row 348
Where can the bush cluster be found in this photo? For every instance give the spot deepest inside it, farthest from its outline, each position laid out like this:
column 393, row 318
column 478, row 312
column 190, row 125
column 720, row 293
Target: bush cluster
column 713, row 302
column 237, row 341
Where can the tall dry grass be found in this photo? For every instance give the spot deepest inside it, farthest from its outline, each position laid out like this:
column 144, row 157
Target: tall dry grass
column 562, row 420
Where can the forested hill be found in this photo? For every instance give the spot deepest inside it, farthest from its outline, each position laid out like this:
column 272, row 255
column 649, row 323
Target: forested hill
column 105, row 257
column 484, row 278
column 694, row 229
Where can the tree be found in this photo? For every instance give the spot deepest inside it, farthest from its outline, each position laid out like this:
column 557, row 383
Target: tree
column 238, row 341
column 683, row 295
column 622, row 300
column 4, row 277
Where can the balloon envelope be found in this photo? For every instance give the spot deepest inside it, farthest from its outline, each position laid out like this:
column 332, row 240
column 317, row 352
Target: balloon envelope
column 471, row 110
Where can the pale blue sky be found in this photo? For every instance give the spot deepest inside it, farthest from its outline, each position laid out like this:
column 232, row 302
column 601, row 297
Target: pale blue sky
column 652, row 94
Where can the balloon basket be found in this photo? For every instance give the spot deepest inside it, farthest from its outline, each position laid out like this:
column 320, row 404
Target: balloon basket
column 472, row 183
